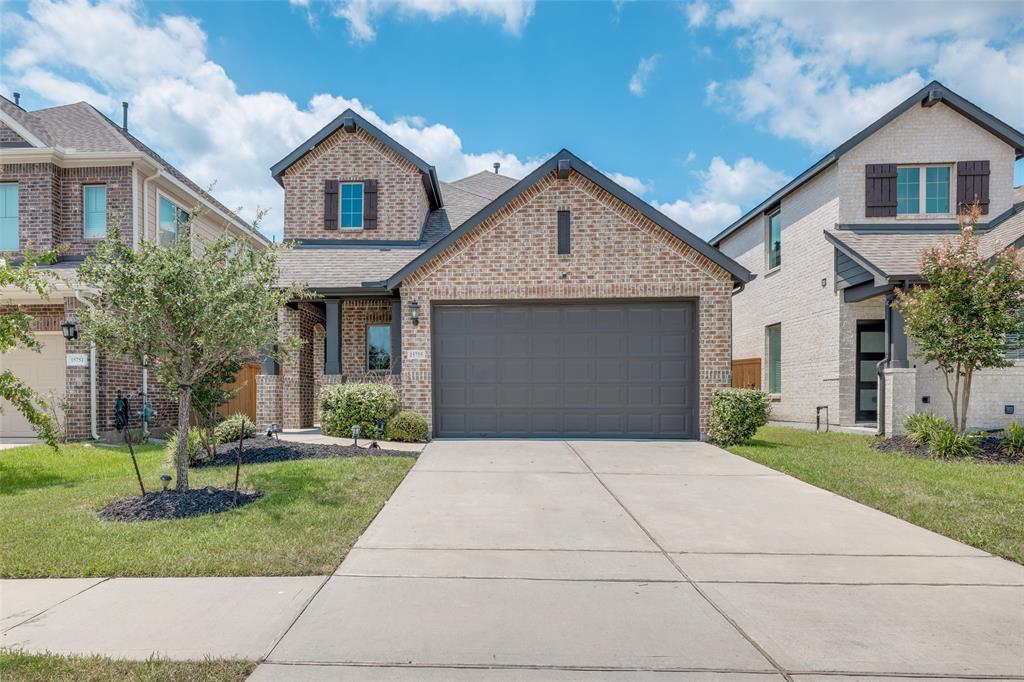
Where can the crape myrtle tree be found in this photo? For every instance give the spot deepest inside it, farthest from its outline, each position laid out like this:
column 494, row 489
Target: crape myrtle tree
column 191, row 307
column 16, row 332
column 967, row 308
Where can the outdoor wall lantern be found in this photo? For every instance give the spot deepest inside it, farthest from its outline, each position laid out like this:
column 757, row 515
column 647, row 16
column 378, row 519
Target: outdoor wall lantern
column 70, row 330
column 414, row 312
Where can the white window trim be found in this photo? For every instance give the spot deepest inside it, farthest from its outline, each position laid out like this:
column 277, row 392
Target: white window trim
column 362, row 194
column 161, row 195
column 922, row 189
column 106, row 226
column 769, row 268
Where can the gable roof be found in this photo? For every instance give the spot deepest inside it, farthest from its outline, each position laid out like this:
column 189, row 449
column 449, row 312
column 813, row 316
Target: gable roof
column 567, row 160
column 350, row 117
column 930, row 94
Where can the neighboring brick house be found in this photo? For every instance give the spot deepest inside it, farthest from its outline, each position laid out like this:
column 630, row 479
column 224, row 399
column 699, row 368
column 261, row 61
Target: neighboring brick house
column 556, row 305
column 832, row 245
column 67, row 175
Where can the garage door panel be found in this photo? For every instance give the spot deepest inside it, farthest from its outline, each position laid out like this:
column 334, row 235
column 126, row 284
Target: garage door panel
column 43, row 372
column 566, row 369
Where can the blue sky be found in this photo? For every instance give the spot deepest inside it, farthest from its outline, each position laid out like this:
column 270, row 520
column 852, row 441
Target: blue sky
column 701, row 108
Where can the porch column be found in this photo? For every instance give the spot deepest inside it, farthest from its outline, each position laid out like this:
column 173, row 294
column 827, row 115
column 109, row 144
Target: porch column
column 897, row 338
column 332, row 325
column 396, row 335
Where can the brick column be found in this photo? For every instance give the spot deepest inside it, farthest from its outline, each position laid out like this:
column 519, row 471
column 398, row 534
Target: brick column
column 900, row 397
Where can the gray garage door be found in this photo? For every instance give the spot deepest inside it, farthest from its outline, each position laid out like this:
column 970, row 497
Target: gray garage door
column 609, row 370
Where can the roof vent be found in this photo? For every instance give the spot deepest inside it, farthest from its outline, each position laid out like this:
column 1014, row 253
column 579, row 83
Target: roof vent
column 349, row 124
column 933, row 98
column 17, row 99
column 497, row 165
column 564, row 166
column 124, row 117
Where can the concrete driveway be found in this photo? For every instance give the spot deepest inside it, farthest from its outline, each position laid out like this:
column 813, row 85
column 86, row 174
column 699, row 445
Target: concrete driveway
column 575, row 560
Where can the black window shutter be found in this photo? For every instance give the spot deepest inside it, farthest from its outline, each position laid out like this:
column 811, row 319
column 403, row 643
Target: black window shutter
column 972, row 184
column 331, row 205
column 564, row 240
column 369, row 204
column 880, row 190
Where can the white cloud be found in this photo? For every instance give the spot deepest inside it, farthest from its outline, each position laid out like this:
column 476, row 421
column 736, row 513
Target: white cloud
column 361, row 15
column 722, row 195
column 821, row 71
column 633, row 184
column 187, row 107
column 697, row 13
column 638, row 82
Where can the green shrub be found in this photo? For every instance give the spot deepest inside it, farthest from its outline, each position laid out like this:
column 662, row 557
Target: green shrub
column 736, row 414
column 234, row 427
column 949, row 444
column 1013, row 438
column 923, row 427
column 195, row 445
column 367, row 405
column 408, row 427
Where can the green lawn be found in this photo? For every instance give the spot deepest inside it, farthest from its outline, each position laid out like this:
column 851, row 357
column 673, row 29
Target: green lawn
column 48, row 668
column 976, row 503
column 311, row 513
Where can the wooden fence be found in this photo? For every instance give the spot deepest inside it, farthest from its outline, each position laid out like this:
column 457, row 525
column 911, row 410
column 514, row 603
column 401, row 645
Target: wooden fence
column 746, row 373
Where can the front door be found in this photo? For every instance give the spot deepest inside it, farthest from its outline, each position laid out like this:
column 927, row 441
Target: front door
column 870, row 350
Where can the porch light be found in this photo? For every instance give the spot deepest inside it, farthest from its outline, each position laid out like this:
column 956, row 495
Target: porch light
column 414, row 313
column 69, row 329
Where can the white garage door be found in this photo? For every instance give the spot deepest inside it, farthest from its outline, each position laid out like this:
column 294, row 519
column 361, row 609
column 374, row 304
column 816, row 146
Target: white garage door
column 43, row 371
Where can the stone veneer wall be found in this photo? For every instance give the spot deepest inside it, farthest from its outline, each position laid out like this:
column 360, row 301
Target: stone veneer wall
column 616, row 253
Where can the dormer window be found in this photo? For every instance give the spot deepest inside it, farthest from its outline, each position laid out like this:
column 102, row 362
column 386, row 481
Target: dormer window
column 922, row 190
column 351, row 206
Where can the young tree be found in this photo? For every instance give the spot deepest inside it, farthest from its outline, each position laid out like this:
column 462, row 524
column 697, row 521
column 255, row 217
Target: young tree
column 961, row 317
column 16, row 331
column 209, row 393
column 191, row 307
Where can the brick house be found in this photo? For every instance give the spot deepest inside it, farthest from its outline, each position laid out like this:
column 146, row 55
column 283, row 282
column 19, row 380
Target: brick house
column 67, row 174
column 815, row 328
column 559, row 304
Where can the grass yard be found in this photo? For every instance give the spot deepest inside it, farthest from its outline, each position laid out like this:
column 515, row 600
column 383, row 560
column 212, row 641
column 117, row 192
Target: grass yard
column 311, row 514
column 979, row 504
column 49, row 668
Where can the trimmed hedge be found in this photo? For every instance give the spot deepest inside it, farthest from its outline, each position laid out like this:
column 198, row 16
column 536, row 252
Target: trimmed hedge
column 408, row 427
column 736, row 415
column 343, row 406
column 232, row 428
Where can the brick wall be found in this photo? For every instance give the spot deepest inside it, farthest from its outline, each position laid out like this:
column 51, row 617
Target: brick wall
column 38, row 208
column 356, row 315
column 616, row 253
column 9, row 138
column 118, row 181
column 268, row 400
column 298, row 370
column 401, row 199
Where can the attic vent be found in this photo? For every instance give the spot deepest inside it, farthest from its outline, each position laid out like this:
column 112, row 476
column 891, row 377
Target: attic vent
column 349, row 124
column 933, row 98
column 563, row 169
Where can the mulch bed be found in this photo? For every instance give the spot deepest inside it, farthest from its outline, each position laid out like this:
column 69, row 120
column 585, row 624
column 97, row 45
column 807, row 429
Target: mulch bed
column 174, row 505
column 990, row 449
column 263, row 449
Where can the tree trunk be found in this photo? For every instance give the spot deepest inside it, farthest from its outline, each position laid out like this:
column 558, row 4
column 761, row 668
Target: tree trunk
column 181, row 459
column 966, row 399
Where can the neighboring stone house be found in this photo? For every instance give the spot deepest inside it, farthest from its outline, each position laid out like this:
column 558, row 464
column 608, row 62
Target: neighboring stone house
column 67, row 175
column 556, row 305
column 830, row 247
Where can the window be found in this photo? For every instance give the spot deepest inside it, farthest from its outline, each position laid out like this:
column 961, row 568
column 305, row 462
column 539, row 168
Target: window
column 932, row 194
column 775, row 239
column 94, row 198
column 774, row 341
column 378, row 347
column 9, row 237
column 1015, row 345
column 171, row 220
column 352, row 205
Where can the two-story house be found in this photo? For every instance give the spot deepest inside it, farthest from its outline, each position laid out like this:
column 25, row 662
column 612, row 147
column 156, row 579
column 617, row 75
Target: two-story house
column 67, row 175
column 559, row 304
column 816, row 328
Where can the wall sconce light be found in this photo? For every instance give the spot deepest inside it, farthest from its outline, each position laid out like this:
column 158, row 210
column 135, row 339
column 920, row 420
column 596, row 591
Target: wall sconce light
column 69, row 329
column 414, row 313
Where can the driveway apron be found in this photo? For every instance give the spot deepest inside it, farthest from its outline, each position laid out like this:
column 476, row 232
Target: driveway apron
column 554, row 560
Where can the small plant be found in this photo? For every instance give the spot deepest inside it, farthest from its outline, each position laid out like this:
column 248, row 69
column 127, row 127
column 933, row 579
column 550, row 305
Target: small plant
column 234, row 427
column 408, row 427
column 195, row 446
column 366, row 405
column 948, row 444
column 923, row 427
column 736, row 415
column 1013, row 439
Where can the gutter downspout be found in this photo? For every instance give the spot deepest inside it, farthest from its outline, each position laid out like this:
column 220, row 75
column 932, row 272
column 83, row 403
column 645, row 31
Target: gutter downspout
column 92, row 376
column 145, row 364
column 880, row 430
